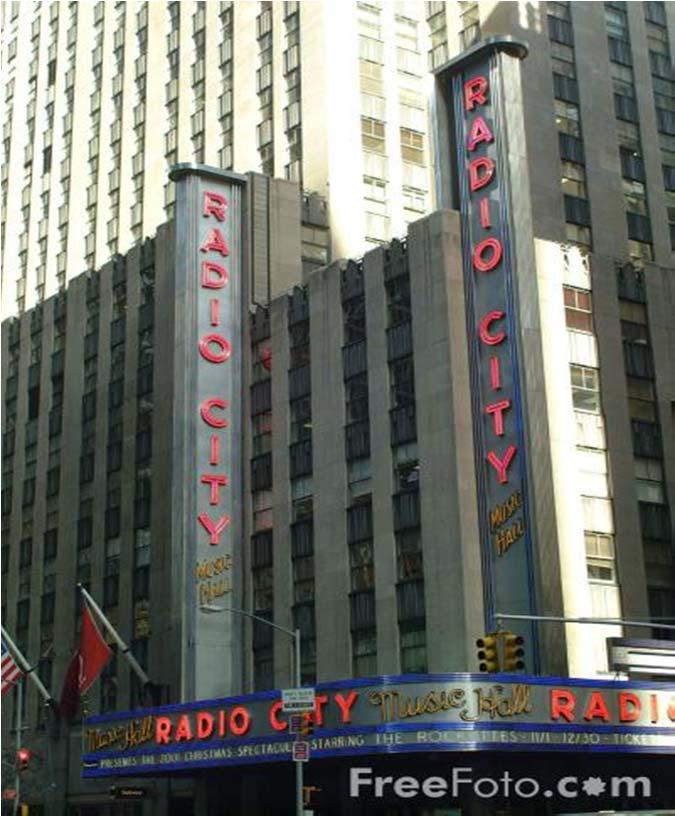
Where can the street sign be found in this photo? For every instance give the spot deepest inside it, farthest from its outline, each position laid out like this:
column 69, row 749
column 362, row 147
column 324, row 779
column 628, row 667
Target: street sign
column 301, row 752
column 126, row 792
column 295, row 722
column 298, row 699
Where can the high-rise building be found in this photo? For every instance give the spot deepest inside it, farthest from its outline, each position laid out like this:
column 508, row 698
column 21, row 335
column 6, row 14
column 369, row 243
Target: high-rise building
column 102, row 98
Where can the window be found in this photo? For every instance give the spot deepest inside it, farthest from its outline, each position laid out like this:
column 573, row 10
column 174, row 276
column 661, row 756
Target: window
column 573, row 179
column 585, row 388
column 641, row 399
column 578, row 311
column 616, row 23
column 25, row 552
column 361, row 565
column 577, row 234
column 413, row 640
column 567, row 118
column 600, row 557
column 412, row 146
column 562, row 58
column 372, row 135
column 649, row 481
column 409, row 555
column 635, row 196
column 303, row 579
column 364, row 652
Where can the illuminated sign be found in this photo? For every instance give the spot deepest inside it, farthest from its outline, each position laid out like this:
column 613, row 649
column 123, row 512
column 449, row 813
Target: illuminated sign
column 207, row 422
column 438, row 712
column 481, row 168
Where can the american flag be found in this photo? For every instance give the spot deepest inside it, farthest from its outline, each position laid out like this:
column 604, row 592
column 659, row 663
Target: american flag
column 10, row 671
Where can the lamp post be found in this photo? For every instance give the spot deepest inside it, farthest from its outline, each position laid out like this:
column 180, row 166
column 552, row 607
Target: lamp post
column 295, row 635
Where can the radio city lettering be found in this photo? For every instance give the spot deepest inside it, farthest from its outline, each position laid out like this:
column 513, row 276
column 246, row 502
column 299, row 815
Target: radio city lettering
column 215, row 349
column 466, row 702
column 487, row 255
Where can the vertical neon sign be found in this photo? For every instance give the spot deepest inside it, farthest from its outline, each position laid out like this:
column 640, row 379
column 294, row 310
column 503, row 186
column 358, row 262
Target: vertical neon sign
column 481, row 168
column 207, row 479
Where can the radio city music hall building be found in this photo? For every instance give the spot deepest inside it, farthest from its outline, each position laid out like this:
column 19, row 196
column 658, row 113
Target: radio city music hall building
column 385, row 453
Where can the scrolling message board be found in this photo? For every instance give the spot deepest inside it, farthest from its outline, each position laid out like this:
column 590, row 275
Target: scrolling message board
column 206, row 501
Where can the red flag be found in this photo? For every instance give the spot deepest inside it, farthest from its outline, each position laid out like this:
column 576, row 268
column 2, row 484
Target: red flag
column 85, row 665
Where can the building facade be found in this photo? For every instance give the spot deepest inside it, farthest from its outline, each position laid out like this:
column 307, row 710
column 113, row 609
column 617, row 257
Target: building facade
column 102, row 99
column 360, row 514
column 395, row 451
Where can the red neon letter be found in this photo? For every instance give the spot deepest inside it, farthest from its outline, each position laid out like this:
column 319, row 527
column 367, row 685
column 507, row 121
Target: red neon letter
column 215, row 241
column 204, row 724
column 478, row 179
column 501, row 465
column 495, row 374
column 479, row 262
column 484, row 207
column 205, row 411
column 484, row 329
column 497, row 410
column 626, row 713
column 474, row 92
column 345, row 706
column 214, row 455
column 213, row 529
column 562, row 704
column 321, row 700
column 211, row 356
column 210, row 282
column 479, row 132
column 275, row 722
column 183, row 730
column 240, row 721
column 215, row 480
column 596, row 707
column 162, row 730
column 215, row 204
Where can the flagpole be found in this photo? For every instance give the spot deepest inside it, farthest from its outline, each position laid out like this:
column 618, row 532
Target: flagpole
column 27, row 668
column 124, row 649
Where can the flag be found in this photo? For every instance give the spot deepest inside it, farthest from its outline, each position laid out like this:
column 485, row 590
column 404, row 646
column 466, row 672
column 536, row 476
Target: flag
column 10, row 671
column 85, row 665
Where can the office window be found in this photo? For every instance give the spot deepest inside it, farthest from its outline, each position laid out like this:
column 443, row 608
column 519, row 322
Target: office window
column 600, row 564
column 412, row 146
column 413, row 643
column 578, row 309
column 364, row 652
column 567, row 118
column 585, row 388
column 372, row 135
column 649, row 481
column 635, row 196
column 573, row 179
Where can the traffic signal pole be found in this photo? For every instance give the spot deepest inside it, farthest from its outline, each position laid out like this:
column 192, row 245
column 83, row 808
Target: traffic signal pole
column 19, row 706
column 299, row 770
column 645, row 624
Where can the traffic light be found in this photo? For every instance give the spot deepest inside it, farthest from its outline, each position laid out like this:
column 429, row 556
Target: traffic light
column 307, row 728
column 308, row 795
column 23, row 756
column 488, row 657
column 513, row 652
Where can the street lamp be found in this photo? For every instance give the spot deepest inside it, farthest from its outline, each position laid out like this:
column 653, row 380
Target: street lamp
column 295, row 635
